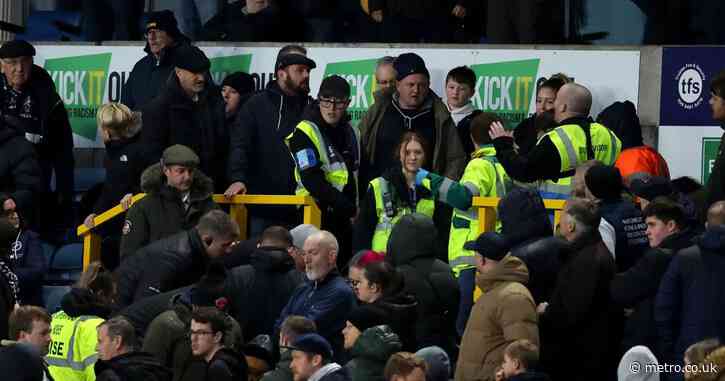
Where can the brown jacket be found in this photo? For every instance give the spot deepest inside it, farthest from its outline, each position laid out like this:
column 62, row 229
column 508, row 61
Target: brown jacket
column 449, row 158
column 504, row 313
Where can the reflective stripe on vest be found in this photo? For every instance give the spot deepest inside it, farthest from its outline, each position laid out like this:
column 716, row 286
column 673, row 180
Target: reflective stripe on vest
column 570, row 142
column 464, row 223
column 334, row 168
column 556, row 190
column 382, row 190
column 68, row 361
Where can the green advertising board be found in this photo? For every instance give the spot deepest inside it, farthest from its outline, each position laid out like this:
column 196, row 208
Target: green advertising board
column 710, row 147
column 81, row 84
column 506, row 88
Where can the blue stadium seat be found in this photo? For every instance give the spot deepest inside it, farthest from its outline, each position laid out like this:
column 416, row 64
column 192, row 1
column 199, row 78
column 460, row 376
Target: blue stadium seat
column 66, row 265
column 48, row 251
column 52, row 296
column 86, row 178
column 43, row 26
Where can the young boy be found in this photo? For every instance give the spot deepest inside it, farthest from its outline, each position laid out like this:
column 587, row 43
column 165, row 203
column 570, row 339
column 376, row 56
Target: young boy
column 519, row 360
column 460, row 87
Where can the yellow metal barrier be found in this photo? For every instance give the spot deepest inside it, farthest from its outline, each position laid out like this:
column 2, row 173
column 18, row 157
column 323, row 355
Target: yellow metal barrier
column 237, row 211
column 487, row 211
column 487, row 218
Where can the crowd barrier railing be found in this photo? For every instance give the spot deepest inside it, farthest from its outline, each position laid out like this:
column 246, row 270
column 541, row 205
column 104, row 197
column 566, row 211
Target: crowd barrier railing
column 237, row 211
column 311, row 215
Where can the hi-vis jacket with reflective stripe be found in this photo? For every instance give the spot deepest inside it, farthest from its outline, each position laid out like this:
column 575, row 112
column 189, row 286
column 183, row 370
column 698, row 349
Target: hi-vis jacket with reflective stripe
column 570, row 141
column 332, row 162
column 483, row 176
column 388, row 215
column 72, row 352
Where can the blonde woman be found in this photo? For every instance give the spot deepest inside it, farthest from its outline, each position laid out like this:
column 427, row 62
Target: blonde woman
column 120, row 129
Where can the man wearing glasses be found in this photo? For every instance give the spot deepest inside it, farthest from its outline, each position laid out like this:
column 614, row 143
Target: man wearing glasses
column 150, row 73
column 207, row 343
column 326, row 151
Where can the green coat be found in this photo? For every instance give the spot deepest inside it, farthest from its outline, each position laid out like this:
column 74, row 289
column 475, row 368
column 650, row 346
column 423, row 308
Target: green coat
column 371, row 351
column 161, row 213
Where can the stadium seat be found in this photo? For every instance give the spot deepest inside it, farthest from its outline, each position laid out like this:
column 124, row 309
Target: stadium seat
column 52, row 296
column 86, row 178
column 66, row 265
column 52, row 26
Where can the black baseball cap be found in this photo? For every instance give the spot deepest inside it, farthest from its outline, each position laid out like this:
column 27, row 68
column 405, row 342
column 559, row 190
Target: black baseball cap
column 294, row 59
column 490, row 245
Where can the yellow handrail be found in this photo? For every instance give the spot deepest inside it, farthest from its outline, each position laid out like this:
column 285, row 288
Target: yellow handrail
column 487, row 211
column 237, row 210
column 312, row 215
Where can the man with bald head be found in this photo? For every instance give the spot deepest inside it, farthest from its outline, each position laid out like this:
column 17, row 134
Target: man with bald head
column 326, row 297
column 576, row 139
column 716, row 214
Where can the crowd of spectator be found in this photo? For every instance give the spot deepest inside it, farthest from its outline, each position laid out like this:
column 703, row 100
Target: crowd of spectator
column 399, row 283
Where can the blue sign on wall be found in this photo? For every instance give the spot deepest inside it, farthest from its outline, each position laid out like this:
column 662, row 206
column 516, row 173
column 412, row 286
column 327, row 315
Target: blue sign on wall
column 686, row 76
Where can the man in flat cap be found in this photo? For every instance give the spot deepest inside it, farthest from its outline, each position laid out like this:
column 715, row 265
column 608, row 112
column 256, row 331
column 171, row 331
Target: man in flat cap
column 30, row 104
column 177, row 195
column 189, row 110
column 150, row 73
column 257, row 140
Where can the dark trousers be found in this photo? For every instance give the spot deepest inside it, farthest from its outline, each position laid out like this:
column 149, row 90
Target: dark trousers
column 511, row 22
column 112, row 19
column 467, row 283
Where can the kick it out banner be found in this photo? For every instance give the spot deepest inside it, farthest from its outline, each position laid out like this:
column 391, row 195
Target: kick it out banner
column 88, row 76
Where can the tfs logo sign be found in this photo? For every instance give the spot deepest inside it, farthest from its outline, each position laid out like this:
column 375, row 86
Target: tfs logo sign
column 690, row 81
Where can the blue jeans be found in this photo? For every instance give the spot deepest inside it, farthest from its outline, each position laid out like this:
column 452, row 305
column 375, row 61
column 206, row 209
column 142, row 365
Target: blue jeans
column 193, row 14
column 467, row 284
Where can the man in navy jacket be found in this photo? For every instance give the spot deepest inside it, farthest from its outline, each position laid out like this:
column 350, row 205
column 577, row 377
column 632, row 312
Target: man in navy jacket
column 325, row 298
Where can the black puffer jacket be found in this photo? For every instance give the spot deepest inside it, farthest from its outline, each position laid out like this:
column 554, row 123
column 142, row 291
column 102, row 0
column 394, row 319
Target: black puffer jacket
column 149, row 76
column 227, row 365
column 124, row 162
column 430, row 280
column 260, row 291
column 170, row 263
column 401, row 311
column 161, row 213
column 20, row 173
column 173, row 118
column 55, row 149
column 526, row 227
column 132, row 366
column 258, row 148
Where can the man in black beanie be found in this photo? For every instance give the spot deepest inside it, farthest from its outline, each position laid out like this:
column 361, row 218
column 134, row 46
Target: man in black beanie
column 326, row 151
column 236, row 89
column 413, row 106
column 150, row 73
column 30, row 105
column 189, row 111
column 604, row 183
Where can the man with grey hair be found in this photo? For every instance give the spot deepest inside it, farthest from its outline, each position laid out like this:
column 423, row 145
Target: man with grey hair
column 553, row 160
column 581, row 311
column 117, row 358
column 326, row 297
column 385, row 73
column 176, row 261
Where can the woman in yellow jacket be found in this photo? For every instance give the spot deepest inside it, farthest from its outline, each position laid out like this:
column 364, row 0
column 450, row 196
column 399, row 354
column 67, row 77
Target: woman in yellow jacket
column 72, row 352
column 393, row 195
